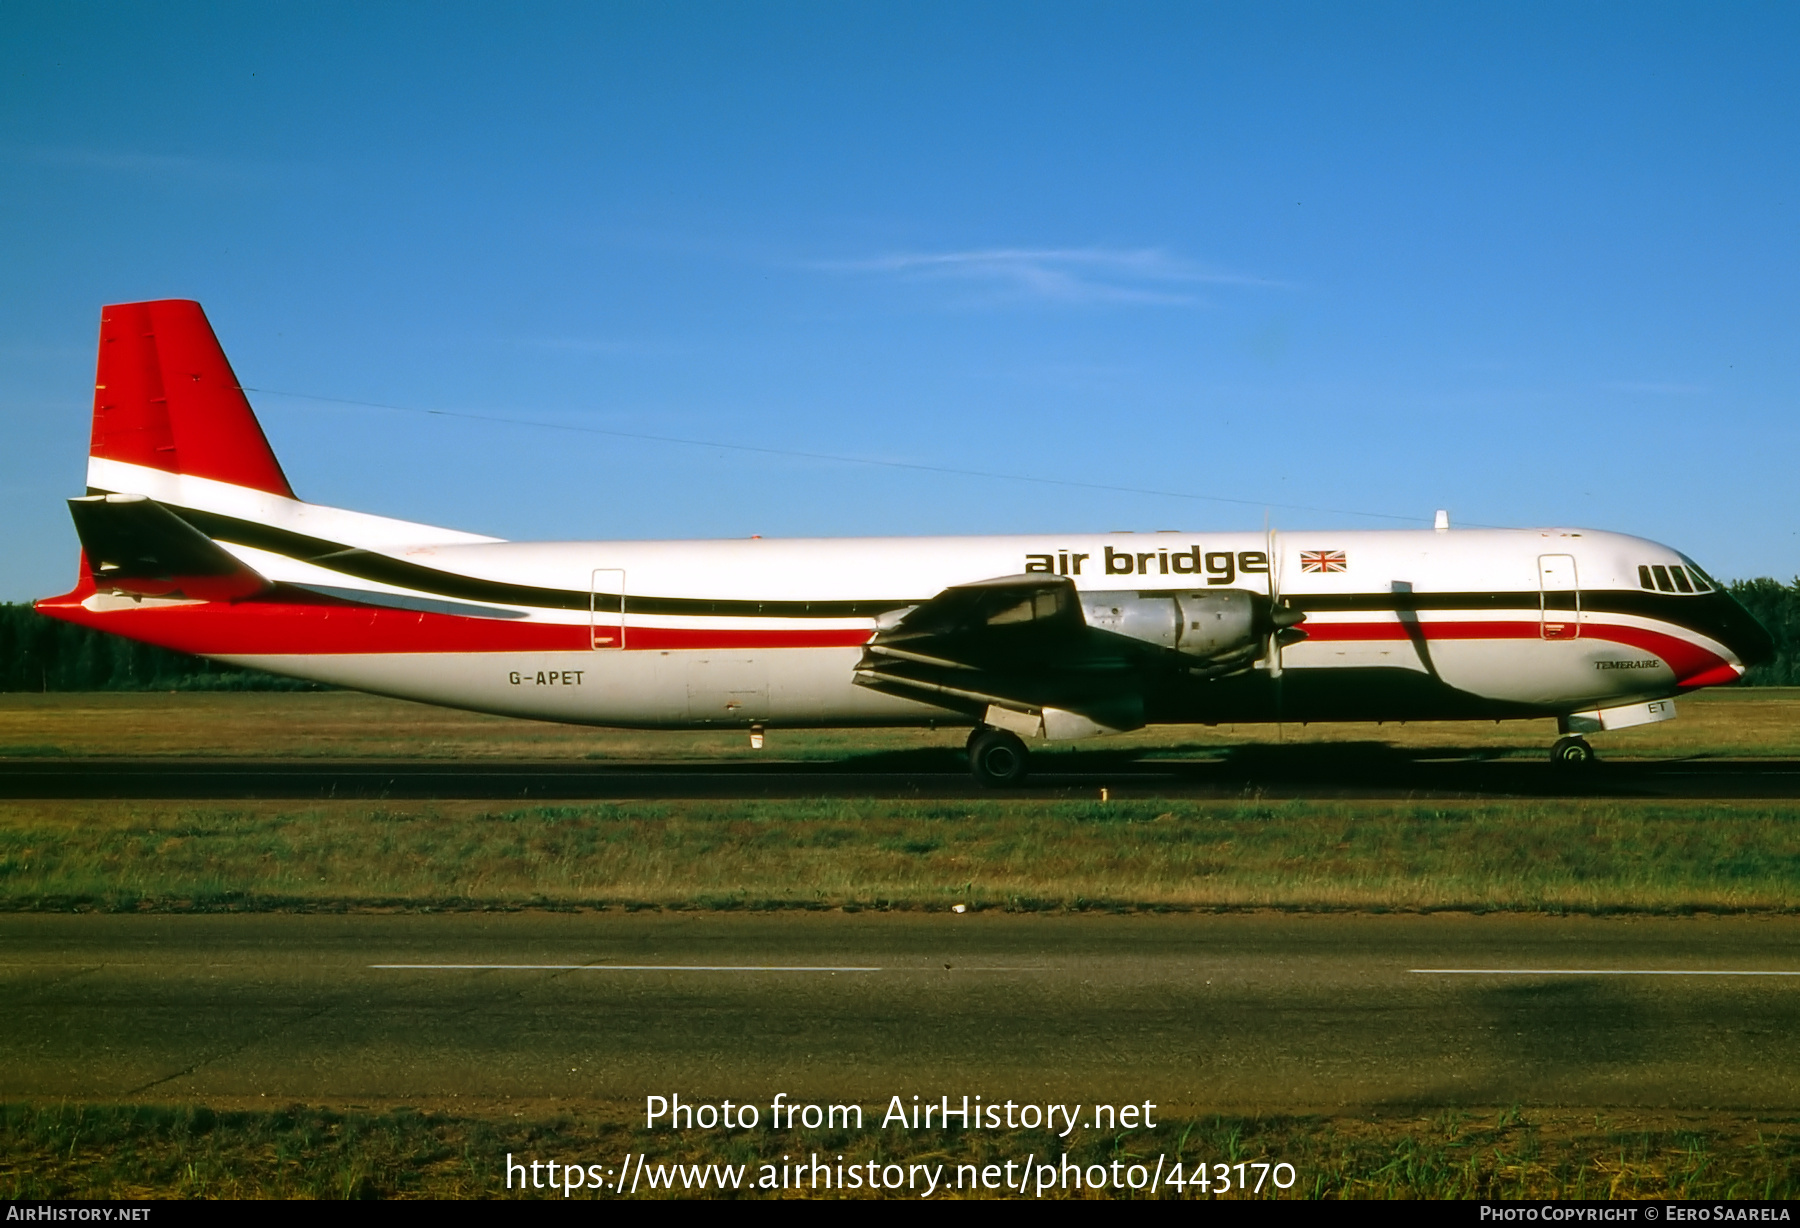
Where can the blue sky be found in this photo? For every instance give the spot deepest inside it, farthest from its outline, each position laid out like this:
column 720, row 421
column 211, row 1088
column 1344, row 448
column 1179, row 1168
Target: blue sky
column 1533, row 263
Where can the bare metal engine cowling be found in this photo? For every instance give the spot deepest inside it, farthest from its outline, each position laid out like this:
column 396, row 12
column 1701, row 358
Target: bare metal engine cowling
column 1220, row 627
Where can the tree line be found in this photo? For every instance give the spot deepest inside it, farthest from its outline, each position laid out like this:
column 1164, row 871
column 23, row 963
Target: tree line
column 1777, row 607
column 43, row 654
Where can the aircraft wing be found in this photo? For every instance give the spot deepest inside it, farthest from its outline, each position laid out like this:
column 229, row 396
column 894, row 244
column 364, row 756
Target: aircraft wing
column 1003, row 614
column 1013, row 649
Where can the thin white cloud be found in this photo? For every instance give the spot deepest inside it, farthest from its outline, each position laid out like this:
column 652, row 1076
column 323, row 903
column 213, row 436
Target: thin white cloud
column 1061, row 275
column 165, row 167
column 590, row 347
column 37, row 351
column 1655, row 388
column 576, row 345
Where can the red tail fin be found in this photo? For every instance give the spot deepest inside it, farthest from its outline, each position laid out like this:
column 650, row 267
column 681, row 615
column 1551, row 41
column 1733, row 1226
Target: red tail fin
column 166, row 398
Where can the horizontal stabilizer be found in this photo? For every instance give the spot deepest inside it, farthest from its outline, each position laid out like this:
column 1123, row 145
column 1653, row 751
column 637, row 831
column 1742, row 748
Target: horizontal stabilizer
column 135, row 545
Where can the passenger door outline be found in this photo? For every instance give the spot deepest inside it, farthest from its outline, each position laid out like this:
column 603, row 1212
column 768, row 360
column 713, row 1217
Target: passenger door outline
column 1559, row 597
column 606, row 595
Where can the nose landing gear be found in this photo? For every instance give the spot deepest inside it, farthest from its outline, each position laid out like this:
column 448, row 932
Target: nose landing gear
column 1572, row 752
column 997, row 757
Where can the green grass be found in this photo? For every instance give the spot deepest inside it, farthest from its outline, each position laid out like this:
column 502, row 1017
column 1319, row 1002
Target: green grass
column 1595, row 856
column 1733, row 723
column 1556, row 856
column 106, row 1151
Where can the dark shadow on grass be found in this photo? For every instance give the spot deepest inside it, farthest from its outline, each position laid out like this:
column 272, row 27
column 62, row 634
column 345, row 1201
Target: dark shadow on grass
column 932, row 759
column 1316, row 760
column 1366, row 765
column 1340, row 760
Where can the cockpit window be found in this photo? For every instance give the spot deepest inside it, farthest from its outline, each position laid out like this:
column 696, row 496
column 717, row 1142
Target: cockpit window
column 1673, row 578
column 1702, row 581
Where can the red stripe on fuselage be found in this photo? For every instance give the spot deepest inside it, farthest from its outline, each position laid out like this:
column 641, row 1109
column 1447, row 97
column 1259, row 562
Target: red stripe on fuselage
column 297, row 622
column 670, row 638
column 1688, row 659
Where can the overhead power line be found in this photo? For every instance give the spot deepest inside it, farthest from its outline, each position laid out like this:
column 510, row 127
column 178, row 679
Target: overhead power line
column 837, row 459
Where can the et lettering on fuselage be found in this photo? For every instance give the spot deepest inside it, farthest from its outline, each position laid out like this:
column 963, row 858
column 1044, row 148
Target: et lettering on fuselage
column 1218, row 566
column 547, row 677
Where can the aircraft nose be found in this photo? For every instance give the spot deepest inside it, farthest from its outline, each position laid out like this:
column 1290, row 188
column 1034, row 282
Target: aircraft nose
column 1739, row 631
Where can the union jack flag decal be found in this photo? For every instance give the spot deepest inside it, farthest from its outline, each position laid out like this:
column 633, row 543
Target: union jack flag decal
column 1323, row 560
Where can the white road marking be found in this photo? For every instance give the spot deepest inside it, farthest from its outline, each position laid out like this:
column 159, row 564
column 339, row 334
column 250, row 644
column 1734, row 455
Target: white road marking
column 617, row 968
column 1601, row 972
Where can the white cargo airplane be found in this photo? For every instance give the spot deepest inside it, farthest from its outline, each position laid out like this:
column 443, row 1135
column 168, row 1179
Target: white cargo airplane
column 193, row 540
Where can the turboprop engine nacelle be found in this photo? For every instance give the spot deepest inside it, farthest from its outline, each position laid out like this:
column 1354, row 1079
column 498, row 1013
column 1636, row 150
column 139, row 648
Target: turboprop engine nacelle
column 1219, row 626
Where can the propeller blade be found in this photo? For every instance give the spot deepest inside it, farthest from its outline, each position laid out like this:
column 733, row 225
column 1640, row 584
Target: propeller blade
column 1277, row 612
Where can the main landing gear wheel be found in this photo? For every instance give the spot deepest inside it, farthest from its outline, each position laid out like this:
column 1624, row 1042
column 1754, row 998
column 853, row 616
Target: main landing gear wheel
column 1572, row 752
column 997, row 757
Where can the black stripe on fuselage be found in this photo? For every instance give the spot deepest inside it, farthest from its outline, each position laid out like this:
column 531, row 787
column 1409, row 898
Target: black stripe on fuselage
column 1714, row 614
column 385, row 569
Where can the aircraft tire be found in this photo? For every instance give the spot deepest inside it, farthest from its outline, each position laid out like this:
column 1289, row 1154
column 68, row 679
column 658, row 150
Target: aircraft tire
column 1572, row 753
column 998, row 758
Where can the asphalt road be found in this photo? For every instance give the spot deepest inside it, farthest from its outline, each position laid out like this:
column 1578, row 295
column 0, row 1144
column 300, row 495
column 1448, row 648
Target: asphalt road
column 1235, row 1012
column 1331, row 771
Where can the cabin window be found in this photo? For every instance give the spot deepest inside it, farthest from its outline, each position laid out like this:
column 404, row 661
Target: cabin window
column 1662, row 578
column 1681, row 579
column 1644, row 580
